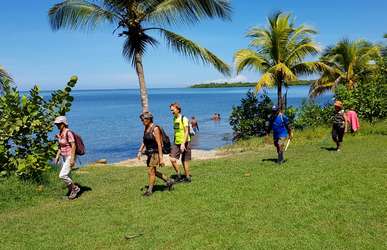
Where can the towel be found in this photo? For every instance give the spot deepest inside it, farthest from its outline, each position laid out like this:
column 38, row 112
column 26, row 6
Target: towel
column 353, row 120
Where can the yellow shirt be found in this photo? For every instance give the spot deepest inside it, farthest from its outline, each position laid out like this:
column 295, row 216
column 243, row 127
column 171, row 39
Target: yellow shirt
column 178, row 127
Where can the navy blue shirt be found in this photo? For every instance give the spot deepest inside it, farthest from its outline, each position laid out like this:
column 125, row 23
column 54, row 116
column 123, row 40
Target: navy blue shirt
column 279, row 126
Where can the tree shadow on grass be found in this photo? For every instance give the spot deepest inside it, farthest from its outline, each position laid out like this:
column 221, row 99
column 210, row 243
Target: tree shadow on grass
column 329, row 148
column 156, row 188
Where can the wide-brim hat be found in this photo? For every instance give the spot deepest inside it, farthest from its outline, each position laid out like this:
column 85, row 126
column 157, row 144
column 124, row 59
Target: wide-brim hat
column 61, row 119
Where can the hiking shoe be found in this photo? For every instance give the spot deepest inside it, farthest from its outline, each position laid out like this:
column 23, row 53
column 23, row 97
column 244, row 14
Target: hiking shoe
column 188, row 179
column 147, row 193
column 170, row 184
column 178, row 178
column 74, row 193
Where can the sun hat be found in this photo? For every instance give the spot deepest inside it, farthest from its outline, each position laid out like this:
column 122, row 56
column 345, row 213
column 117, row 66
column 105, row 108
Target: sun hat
column 61, row 119
column 146, row 115
column 338, row 104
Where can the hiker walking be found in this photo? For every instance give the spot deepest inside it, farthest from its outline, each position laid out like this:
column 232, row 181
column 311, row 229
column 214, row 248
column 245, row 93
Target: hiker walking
column 182, row 142
column 152, row 147
column 67, row 151
column 282, row 132
column 339, row 124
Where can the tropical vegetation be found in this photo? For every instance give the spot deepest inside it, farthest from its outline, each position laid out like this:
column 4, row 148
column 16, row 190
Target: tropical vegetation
column 137, row 20
column 26, row 120
column 4, row 76
column 347, row 60
column 279, row 52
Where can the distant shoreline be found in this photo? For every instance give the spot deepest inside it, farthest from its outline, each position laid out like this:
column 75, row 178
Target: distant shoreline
column 244, row 84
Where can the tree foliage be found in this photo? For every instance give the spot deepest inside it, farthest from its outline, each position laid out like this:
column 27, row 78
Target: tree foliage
column 140, row 22
column 347, row 61
column 25, row 123
column 250, row 117
column 279, row 53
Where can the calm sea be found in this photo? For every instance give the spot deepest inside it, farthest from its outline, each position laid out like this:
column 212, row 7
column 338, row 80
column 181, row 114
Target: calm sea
column 108, row 120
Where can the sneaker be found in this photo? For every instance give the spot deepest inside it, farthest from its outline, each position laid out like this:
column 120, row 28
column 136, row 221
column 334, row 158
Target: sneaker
column 74, row 193
column 170, row 184
column 147, row 193
column 178, row 178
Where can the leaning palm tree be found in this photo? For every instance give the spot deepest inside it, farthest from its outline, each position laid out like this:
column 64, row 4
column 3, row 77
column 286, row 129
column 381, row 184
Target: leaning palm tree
column 278, row 52
column 135, row 20
column 346, row 61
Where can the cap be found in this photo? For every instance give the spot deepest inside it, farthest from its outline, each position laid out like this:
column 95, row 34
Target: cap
column 338, row 104
column 146, row 115
column 61, row 119
column 274, row 108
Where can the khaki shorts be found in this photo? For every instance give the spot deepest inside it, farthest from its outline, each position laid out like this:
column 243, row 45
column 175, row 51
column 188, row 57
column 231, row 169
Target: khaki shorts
column 153, row 160
column 176, row 152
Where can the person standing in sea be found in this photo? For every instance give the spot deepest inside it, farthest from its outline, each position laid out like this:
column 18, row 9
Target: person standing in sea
column 282, row 132
column 339, row 125
column 182, row 142
column 66, row 151
column 153, row 149
column 194, row 125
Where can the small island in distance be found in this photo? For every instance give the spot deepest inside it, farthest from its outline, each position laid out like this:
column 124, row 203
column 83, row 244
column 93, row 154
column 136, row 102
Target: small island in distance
column 243, row 84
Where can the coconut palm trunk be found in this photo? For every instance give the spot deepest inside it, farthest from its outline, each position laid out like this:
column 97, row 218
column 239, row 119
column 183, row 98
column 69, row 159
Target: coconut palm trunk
column 279, row 94
column 141, row 81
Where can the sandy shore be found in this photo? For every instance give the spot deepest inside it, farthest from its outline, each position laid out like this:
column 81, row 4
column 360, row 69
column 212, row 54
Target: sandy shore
column 196, row 155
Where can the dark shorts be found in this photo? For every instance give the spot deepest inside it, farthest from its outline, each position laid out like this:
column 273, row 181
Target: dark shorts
column 337, row 133
column 176, row 152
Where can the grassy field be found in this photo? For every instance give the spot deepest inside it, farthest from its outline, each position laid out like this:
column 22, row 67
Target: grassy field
column 319, row 199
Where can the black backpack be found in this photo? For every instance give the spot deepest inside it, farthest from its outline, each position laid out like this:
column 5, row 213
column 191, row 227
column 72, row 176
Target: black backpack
column 166, row 141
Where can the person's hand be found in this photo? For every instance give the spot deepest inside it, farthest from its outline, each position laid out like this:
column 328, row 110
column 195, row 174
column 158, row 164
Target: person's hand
column 139, row 155
column 72, row 162
column 291, row 136
column 56, row 160
column 182, row 147
column 162, row 163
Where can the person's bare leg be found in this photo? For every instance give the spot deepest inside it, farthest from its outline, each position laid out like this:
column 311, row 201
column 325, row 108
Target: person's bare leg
column 186, row 171
column 175, row 165
column 151, row 180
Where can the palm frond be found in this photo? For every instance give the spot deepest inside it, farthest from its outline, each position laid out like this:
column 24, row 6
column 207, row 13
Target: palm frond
column 266, row 80
column 137, row 43
column 302, row 50
column 79, row 14
column 249, row 59
column 280, row 69
column 186, row 11
column 4, row 76
column 190, row 49
column 309, row 68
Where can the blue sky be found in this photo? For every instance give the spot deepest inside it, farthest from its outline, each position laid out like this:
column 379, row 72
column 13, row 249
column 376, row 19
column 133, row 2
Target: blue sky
column 32, row 53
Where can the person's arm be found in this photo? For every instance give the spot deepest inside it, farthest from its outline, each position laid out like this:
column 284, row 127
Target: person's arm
column 140, row 150
column 288, row 127
column 345, row 122
column 159, row 141
column 72, row 159
column 186, row 134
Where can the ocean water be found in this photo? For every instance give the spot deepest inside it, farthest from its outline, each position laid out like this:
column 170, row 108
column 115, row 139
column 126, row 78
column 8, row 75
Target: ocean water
column 108, row 120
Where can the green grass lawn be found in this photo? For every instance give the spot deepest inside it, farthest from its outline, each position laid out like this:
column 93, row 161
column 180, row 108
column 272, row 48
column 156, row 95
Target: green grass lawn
column 319, row 199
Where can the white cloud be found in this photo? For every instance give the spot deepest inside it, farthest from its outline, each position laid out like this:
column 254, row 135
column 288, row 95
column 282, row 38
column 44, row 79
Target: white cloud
column 238, row 78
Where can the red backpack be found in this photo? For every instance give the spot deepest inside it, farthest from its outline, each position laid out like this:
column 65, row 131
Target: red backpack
column 79, row 145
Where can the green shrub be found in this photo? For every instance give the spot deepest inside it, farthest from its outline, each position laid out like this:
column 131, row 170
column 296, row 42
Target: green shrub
column 312, row 115
column 249, row 118
column 25, row 121
column 369, row 98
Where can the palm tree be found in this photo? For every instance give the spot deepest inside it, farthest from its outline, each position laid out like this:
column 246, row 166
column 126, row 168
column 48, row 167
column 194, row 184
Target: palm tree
column 278, row 52
column 346, row 61
column 4, row 76
column 136, row 19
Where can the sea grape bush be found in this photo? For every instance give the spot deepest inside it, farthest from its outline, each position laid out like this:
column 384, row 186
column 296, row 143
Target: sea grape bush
column 250, row 117
column 25, row 122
